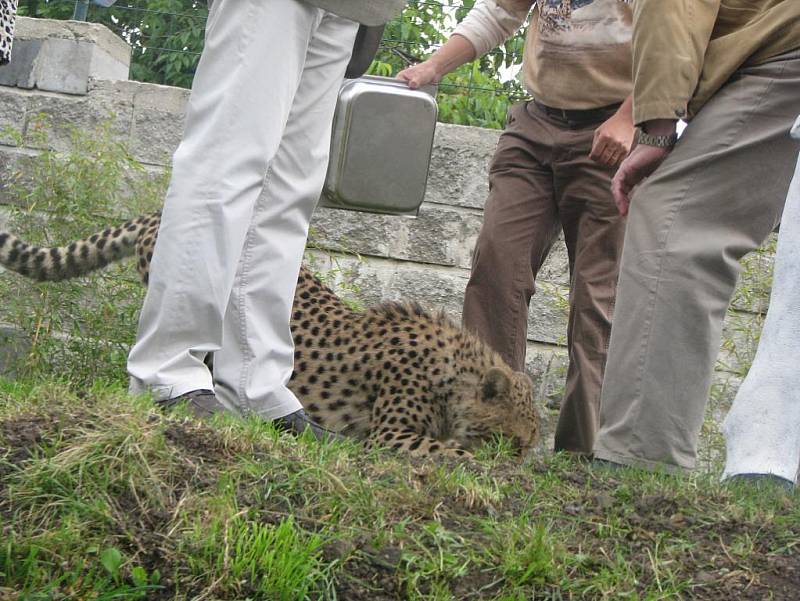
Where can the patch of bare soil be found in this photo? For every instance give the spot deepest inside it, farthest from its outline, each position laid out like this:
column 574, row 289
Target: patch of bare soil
column 21, row 437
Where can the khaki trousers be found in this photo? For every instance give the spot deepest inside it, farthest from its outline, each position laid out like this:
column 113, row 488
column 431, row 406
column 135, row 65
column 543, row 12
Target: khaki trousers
column 245, row 180
column 541, row 181
column 716, row 198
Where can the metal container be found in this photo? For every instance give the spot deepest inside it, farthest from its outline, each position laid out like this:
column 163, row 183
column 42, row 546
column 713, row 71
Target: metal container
column 380, row 147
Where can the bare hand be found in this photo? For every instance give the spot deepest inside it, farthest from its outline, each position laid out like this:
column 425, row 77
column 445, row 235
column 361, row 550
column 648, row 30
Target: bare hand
column 420, row 75
column 613, row 140
column 641, row 162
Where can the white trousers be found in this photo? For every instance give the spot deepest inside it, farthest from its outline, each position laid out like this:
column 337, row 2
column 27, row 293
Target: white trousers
column 762, row 429
column 246, row 178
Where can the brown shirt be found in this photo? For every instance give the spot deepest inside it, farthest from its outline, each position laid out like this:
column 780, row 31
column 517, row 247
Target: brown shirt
column 685, row 50
column 577, row 54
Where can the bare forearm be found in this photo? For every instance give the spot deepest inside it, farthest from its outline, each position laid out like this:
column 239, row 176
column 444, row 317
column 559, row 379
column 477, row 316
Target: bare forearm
column 456, row 51
column 486, row 26
column 625, row 111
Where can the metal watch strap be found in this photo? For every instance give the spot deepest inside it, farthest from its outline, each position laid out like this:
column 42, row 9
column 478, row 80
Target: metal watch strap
column 657, row 141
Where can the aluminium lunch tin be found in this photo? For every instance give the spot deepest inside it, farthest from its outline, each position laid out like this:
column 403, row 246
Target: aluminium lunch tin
column 380, row 147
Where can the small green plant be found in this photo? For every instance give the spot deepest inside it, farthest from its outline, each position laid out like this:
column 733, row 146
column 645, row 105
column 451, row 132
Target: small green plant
column 528, row 557
column 257, row 560
column 327, row 265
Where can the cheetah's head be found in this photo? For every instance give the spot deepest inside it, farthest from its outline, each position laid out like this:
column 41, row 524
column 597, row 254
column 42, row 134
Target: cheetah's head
column 504, row 405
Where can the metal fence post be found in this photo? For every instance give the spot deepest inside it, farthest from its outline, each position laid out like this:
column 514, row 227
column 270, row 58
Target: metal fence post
column 81, row 10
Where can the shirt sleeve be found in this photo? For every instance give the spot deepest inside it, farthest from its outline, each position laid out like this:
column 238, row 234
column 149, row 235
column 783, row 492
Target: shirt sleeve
column 489, row 24
column 670, row 38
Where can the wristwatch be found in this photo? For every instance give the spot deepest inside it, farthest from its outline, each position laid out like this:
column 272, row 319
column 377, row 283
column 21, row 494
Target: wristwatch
column 657, row 141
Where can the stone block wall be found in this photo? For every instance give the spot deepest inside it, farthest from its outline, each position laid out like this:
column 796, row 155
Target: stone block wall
column 426, row 259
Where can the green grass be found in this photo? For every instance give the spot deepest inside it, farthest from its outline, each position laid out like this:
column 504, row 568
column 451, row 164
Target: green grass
column 102, row 497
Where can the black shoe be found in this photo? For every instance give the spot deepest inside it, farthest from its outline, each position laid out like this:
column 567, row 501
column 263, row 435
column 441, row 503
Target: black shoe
column 201, row 403
column 298, row 422
column 764, row 481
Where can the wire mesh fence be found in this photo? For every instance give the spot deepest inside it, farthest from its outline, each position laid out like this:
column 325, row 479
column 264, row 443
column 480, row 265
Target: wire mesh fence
column 167, row 38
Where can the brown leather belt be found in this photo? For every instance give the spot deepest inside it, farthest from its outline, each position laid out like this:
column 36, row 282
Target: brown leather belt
column 578, row 116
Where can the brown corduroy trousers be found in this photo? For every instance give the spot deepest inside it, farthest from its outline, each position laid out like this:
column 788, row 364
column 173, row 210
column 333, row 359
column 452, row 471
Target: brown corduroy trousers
column 542, row 181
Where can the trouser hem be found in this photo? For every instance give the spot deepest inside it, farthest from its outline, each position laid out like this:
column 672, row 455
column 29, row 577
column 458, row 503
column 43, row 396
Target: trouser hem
column 638, row 462
column 162, row 393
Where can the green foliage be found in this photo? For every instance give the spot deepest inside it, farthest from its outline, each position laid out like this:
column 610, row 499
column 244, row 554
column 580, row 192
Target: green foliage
column 472, row 94
column 78, row 330
column 167, row 38
column 166, row 35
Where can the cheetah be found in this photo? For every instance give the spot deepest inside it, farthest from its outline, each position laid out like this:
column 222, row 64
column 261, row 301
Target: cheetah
column 394, row 375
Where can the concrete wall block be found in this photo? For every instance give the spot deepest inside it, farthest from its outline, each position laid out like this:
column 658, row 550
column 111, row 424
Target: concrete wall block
column 460, row 165
column 158, row 119
column 62, row 56
column 13, row 175
column 437, row 288
column 82, row 31
column 433, row 289
column 547, row 317
column 439, row 235
column 106, row 66
column 21, row 71
column 349, row 231
column 13, row 109
column 547, row 367
column 62, row 66
column 378, row 280
column 62, row 113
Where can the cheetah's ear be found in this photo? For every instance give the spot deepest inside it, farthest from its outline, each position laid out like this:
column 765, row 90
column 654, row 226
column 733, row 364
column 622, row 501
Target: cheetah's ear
column 496, row 383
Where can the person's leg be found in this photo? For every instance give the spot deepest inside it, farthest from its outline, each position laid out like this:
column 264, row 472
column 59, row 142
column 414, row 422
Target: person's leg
column 242, row 94
column 762, row 430
column 256, row 359
column 520, row 224
column 593, row 231
column 716, row 198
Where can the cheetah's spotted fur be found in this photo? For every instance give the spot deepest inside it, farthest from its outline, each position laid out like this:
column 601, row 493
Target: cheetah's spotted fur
column 394, row 375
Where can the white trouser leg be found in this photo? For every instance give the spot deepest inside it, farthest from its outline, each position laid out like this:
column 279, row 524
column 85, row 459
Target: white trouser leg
column 762, row 430
column 242, row 96
column 256, row 359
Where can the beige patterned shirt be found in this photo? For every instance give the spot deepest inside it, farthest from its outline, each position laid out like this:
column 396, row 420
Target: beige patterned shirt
column 577, row 53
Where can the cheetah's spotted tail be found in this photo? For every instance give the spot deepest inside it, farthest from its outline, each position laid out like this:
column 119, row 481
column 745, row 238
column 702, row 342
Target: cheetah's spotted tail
column 76, row 259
